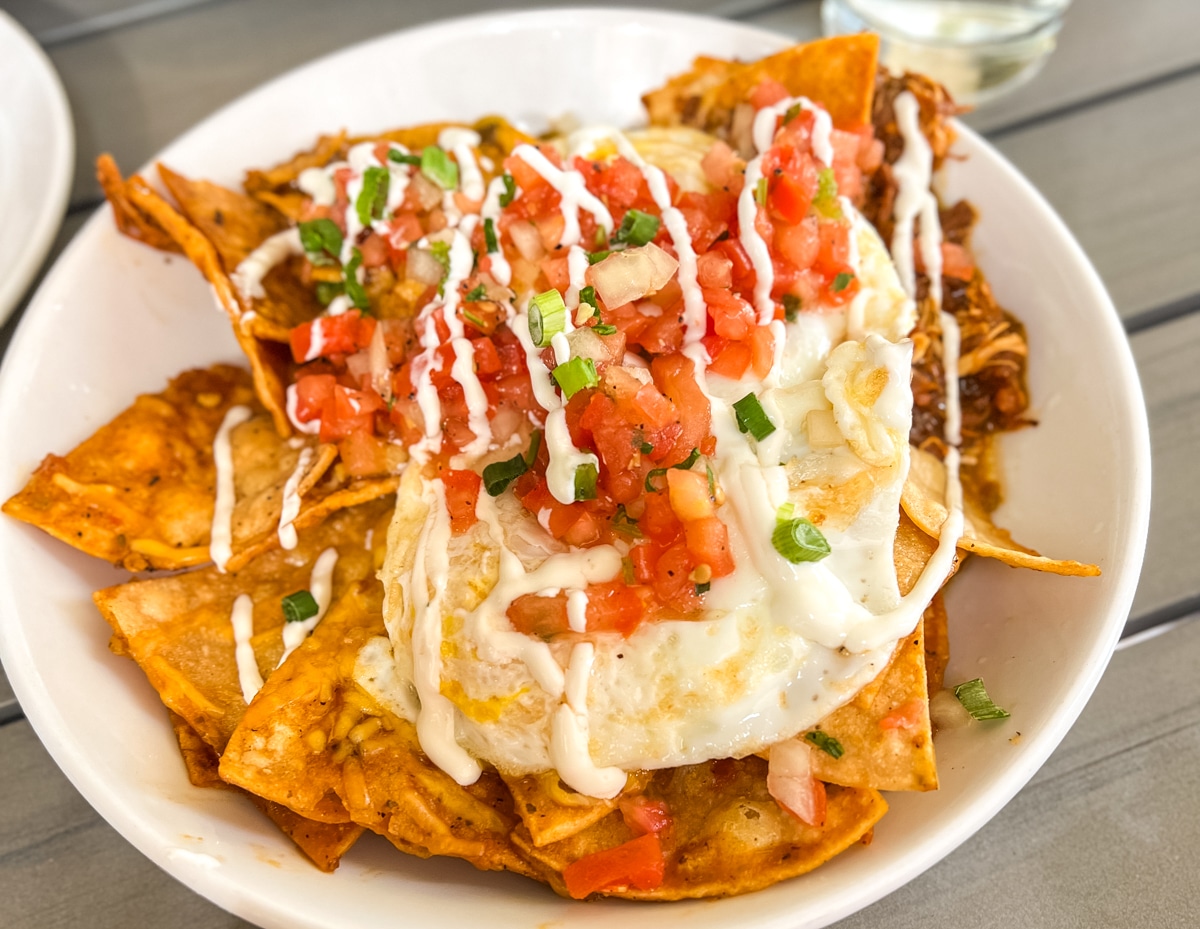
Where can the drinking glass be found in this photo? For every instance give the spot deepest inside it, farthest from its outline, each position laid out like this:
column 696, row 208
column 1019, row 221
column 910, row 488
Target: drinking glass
column 979, row 49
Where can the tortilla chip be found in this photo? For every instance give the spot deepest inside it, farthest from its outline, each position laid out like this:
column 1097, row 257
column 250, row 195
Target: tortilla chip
column 269, row 362
column 284, row 175
column 234, row 223
column 199, row 758
column 924, row 501
column 838, row 73
column 316, row 742
column 178, row 628
column 139, row 493
column 884, row 733
column 129, row 219
column 728, row 835
column 937, row 643
column 552, row 812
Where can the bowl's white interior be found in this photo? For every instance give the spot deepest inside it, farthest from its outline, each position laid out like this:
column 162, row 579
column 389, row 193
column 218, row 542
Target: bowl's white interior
column 115, row 318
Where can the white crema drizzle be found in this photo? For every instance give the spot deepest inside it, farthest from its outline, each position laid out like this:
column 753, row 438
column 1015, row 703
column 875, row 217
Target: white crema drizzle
column 320, row 585
column 573, row 191
column 242, row 620
column 290, row 508
column 221, row 536
column 913, row 172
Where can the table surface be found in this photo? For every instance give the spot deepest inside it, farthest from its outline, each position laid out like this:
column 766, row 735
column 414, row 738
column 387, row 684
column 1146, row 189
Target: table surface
column 1107, row 833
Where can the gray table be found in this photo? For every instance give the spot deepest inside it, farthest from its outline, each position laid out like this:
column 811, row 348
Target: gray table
column 1107, row 833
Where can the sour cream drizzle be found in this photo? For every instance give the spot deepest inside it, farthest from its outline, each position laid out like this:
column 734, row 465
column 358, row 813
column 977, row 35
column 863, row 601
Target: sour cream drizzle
column 320, row 585
column 221, row 536
column 499, row 268
column 242, row 620
column 764, row 134
column 431, row 568
column 913, row 172
column 569, row 749
column 573, row 190
column 249, row 274
column 290, row 508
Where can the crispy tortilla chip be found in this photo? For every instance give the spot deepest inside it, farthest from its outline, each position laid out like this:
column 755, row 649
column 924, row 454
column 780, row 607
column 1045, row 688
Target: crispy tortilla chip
column 552, row 812
column 234, row 223
column 937, row 643
column 317, row 742
column 839, row 73
column 268, row 361
column 178, row 628
column 129, row 219
column 323, row 844
column 283, row 175
column 728, row 835
column 139, row 493
column 924, row 501
column 884, row 732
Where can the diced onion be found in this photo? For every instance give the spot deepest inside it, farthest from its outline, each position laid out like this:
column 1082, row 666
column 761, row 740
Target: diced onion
column 822, row 428
column 528, row 240
column 790, row 781
column 380, row 368
column 631, row 274
column 424, row 267
column 587, row 344
column 425, row 192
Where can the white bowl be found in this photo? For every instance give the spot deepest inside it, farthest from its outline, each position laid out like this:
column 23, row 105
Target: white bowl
column 115, row 318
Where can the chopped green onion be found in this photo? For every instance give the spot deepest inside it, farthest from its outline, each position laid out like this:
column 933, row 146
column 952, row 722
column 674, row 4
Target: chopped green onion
column 627, row 574
column 791, row 307
column 752, row 418
column 685, row 465
column 644, row 447
column 841, row 282
column 604, row 329
column 585, row 480
column 327, row 291
column 702, row 589
column 441, row 251
column 535, row 445
column 625, row 524
column 547, row 317
column 826, row 743
column 476, row 294
column 575, row 375
column 796, row 539
column 792, row 112
column 760, row 192
column 588, row 295
column 437, row 166
column 489, row 236
column 403, row 158
column 597, row 257
column 299, row 606
column 712, row 481
column 476, row 321
column 355, row 290
column 499, row 474
column 637, row 228
column 826, row 201
column 510, row 190
column 373, row 196
column 975, row 700
column 322, row 241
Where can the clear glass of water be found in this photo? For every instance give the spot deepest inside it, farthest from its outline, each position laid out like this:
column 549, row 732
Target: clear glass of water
column 979, row 49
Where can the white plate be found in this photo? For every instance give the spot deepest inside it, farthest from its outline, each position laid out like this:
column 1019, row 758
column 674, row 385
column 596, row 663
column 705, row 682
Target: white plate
column 1042, row 642
column 37, row 156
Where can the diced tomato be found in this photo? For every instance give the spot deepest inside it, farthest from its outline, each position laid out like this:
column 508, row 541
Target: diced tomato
column 762, row 347
column 834, row 249
column 348, row 411
column 672, row 581
column 906, row 716
column 798, row 243
column 331, row 335
column 708, row 541
column 714, row 270
column 405, row 229
column 312, row 393
column 540, row 617
column 643, row 557
column 375, row 252
column 722, row 167
column 675, row 377
column 487, row 359
column 613, row 608
column 687, row 492
column 788, row 199
column 637, row 863
column 956, row 262
column 363, row 454
column 732, row 316
column 462, row 494
column 658, row 522
column 584, row 531
column 645, row 816
column 790, row 781
column 729, row 359
column 743, row 270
